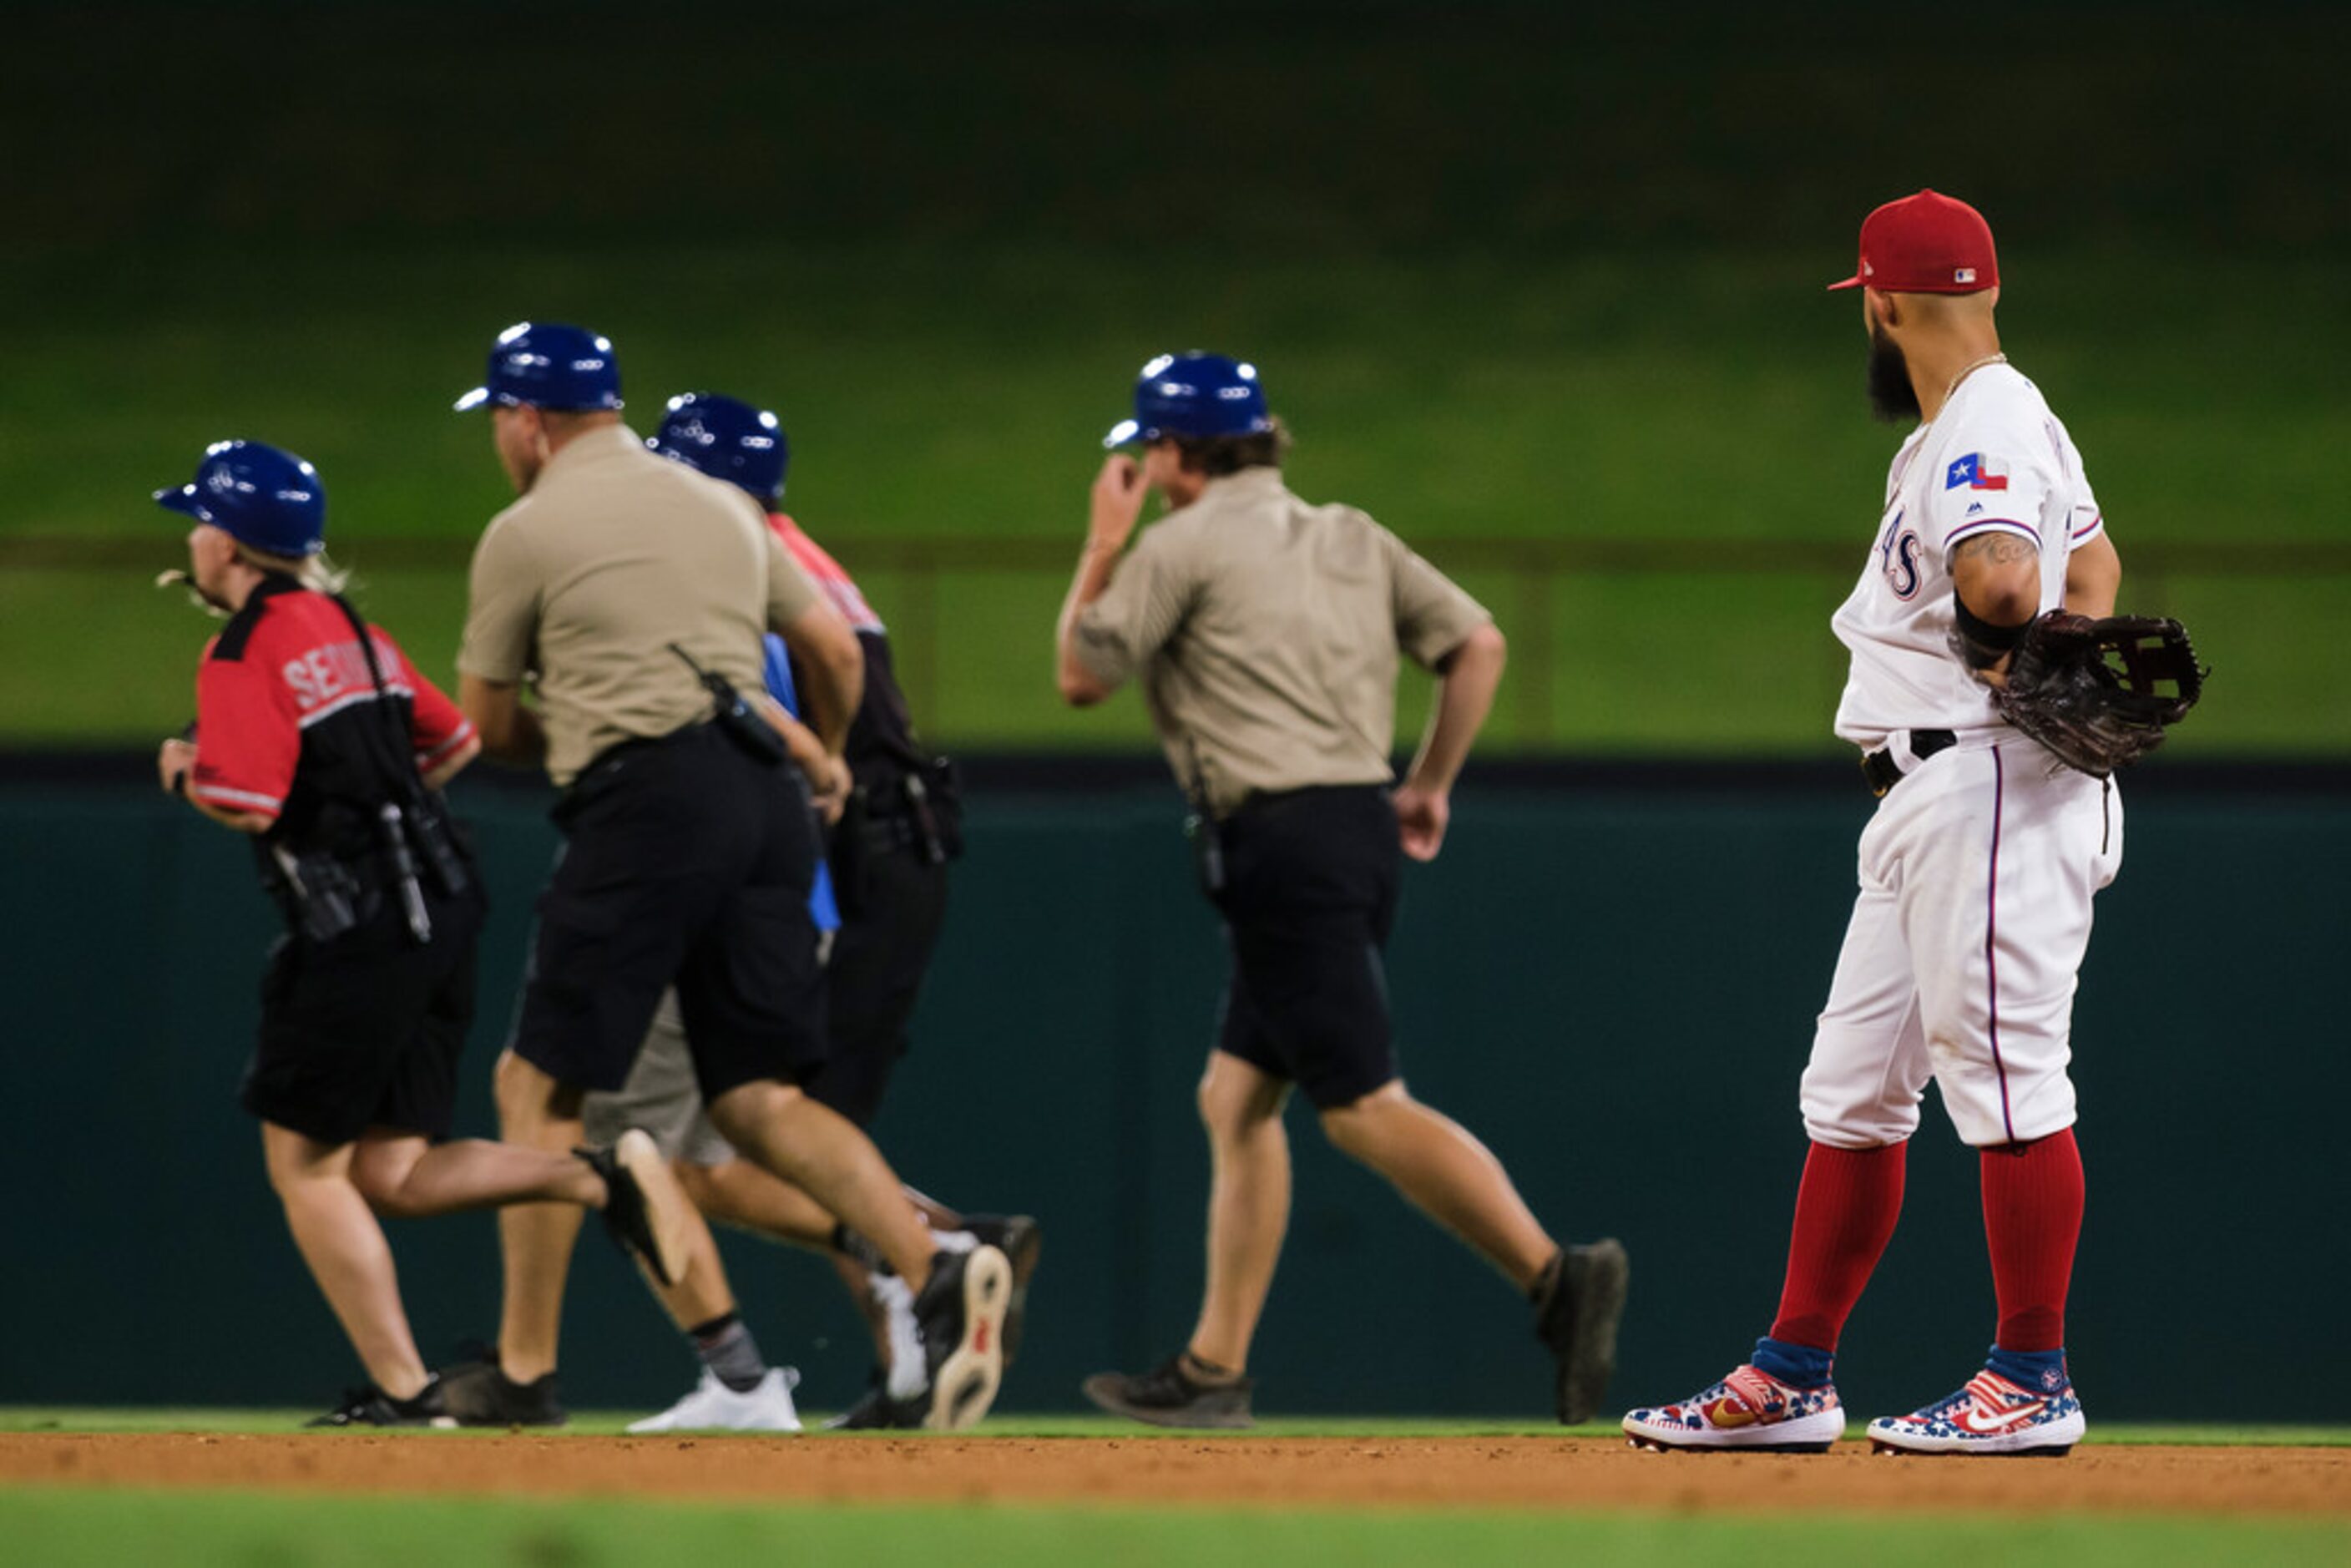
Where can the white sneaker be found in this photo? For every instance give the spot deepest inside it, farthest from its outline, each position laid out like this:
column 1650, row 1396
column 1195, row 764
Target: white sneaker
column 715, row 1407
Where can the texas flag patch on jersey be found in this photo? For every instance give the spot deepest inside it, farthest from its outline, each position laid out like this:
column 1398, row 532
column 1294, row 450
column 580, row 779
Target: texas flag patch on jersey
column 1977, row 471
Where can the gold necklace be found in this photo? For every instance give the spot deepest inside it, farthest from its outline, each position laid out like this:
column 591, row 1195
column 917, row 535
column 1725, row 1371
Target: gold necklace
column 1965, row 371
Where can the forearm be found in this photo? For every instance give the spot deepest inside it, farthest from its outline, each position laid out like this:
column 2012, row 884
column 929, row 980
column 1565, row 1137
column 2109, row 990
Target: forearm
column 832, row 704
column 521, row 742
column 2094, row 576
column 448, row 768
column 1079, row 684
column 807, row 748
column 830, row 663
column 1465, row 695
column 243, row 821
column 509, row 731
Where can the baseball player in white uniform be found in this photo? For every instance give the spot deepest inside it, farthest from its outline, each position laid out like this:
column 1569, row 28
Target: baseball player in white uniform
column 1975, row 876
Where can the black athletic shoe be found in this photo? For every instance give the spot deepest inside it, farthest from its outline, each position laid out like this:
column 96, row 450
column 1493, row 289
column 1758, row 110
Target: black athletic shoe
column 368, row 1406
column 1021, row 1240
column 875, row 1412
column 1164, row 1396
column 960, row 1312
column 647, row 1213
column 1576, row 1311
column 478, row 1394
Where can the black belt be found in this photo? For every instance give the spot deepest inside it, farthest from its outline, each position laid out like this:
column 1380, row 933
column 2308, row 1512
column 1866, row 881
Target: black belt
column 1881, row 772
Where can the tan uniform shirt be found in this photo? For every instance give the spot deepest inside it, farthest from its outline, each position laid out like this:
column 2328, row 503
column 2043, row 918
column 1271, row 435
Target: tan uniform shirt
column 581, row 585
column 1267, row 632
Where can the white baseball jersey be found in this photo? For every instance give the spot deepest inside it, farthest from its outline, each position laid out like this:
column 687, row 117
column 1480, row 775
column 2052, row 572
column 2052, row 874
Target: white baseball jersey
column 1977, row 871
column 1994, row 459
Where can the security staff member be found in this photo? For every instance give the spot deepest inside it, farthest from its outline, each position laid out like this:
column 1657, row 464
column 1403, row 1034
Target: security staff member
column 616, row 583
column 889, row 863
column 1266, row 631
column 315, row 735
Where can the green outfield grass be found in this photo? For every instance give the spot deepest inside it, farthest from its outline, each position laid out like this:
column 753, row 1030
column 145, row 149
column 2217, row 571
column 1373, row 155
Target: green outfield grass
column 1671, row 401
column 57, row 1526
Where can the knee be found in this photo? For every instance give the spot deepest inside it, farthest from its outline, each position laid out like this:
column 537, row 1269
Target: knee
column 1225, row 1114
column 1348, row 1129
column 1837, row 1115
column 297, row 1165
column 527, row 1098
column 1355, row 1127
column 740, row 1111
column 387, row 1197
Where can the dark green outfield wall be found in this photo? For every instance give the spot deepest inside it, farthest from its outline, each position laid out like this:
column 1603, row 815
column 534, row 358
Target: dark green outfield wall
column 1611, row 977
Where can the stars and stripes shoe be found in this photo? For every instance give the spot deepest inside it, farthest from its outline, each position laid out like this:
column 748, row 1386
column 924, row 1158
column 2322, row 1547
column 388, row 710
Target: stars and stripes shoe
column 1749, row 1409
column 1990, row 1416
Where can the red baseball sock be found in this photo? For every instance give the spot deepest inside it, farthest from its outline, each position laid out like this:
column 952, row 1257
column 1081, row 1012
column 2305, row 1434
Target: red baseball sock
column 2032, row 1218
column 1846, row 1211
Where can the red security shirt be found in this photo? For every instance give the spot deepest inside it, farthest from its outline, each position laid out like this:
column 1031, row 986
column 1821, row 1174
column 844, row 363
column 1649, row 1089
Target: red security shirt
column 882, row 748
column 288, row 720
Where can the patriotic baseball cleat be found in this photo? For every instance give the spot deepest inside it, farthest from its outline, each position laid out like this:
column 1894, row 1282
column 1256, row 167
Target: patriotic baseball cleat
column 1990, row 1416
column 1749, row 1409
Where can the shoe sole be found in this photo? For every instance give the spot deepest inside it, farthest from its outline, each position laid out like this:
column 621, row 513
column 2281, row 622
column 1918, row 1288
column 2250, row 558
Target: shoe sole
column 1024, row 1243
column 966, row 1383
column 1102, row 1389
column 1803, row 1434
column 1591, row 1360
column 670, row 1215
column 2052, row 1441
column 1652, row 1445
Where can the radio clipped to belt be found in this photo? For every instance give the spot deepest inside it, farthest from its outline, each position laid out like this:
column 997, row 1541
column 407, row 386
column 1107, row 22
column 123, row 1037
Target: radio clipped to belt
column 735, row 715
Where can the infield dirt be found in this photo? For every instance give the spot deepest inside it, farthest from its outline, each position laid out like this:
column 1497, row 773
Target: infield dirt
column 1475, row 1472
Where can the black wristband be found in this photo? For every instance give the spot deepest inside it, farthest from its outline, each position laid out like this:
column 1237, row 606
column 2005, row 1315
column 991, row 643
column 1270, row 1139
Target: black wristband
column 1981, row 643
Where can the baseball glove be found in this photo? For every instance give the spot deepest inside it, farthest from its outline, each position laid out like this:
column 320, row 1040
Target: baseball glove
column 2095, row 691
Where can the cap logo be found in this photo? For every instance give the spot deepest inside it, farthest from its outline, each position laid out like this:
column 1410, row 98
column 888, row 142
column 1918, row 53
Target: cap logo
column 1964, row 275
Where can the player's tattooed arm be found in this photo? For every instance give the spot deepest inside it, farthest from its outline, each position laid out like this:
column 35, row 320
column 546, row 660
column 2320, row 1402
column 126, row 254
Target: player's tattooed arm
column 1999, row 549
column 1995, row 592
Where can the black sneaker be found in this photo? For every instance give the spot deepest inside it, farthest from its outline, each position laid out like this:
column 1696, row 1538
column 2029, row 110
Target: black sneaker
column 368, row 1406
column 960, row 1312
column 1576, row 1310
column 478, row 1394
column 875, row 1412
column 1021, row 1240
column 647, row 1213
column 1164, row 1396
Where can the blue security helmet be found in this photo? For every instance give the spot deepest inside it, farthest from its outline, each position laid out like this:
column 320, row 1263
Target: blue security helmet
column 1194, row 394
column 728, row 439
column 548, row 365
column 257, row 495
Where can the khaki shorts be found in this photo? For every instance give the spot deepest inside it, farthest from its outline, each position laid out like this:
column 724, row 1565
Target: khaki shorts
column 662, row 1097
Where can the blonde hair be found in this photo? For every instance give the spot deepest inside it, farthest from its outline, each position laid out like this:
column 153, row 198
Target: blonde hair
column 315, row 571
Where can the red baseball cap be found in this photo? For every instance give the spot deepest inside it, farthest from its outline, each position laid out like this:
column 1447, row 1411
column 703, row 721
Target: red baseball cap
column 1926, row 244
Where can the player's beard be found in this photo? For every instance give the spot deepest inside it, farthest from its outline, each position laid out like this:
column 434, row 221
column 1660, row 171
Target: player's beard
column 1892, row 398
